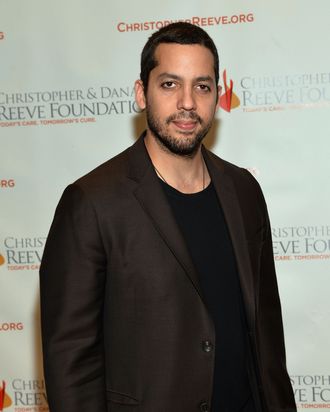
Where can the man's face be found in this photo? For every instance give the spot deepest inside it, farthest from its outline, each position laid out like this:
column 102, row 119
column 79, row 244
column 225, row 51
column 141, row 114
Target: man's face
column 182, row 97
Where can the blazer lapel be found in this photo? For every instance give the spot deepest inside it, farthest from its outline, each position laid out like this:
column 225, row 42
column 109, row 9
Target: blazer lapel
column 152, row 199
column 231, row 208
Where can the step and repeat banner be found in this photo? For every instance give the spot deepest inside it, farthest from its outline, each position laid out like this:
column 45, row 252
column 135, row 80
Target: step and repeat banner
column 67, row 71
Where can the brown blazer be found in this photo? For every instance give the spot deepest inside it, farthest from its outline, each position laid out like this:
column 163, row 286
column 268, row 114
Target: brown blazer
column 123, row 317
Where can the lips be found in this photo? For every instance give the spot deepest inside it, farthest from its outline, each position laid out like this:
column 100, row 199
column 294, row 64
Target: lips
column 185, row 125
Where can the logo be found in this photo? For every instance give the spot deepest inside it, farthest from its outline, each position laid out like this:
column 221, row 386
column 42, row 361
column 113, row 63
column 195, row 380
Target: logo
column 298, row 243
column 26, row 395
column 311, row 391
column 7, row 183
column 271, row 93
column 228, row 100
column 276, row 92
column 238, row 18
column 22, row 253
column 5, row 400
column 48, row 108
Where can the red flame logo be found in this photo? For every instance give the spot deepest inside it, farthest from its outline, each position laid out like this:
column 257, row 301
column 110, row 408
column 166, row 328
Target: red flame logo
column 2, row 395
column 228, row 100
column 5, row 400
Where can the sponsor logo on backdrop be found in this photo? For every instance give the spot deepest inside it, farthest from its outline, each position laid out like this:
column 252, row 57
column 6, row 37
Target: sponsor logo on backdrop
column 311, row 391
column 237, row 18
column 2, row 35
column 228, row 99
column 23, row 395
column 283, row 92
column 7, row 183
column 11, row 326
column 273, row 93
column 22, row 253
column 77, row 106
column 5, row 400
column 301, row 243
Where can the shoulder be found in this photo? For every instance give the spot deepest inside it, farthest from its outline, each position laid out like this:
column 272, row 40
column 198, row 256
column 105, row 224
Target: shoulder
column 107, row 184
column 106, row 174
column 120, row 172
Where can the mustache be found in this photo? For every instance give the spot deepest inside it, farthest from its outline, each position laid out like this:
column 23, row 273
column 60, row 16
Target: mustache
column 184, row 116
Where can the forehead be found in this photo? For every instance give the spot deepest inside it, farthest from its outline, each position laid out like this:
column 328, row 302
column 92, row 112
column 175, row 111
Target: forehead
column 184, row 60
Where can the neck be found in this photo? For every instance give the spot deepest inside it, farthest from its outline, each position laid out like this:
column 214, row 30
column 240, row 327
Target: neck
column 186, row 174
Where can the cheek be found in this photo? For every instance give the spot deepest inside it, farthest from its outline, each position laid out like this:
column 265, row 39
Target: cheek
column 161, row 108
column 208, row 111
column 154, row 102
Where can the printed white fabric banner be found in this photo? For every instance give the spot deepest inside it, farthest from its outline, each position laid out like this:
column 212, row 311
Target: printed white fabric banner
column 67, row 105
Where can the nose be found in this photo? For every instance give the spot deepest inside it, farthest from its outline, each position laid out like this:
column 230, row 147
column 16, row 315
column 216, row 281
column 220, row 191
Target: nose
column 186, row 100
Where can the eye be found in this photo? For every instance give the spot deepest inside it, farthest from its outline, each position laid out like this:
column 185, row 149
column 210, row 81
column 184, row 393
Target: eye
column 204, row 88
column 168, row 85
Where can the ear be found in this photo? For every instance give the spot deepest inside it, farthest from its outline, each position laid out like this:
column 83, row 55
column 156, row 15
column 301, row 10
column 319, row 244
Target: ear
column 139, row 94
column 219, row 95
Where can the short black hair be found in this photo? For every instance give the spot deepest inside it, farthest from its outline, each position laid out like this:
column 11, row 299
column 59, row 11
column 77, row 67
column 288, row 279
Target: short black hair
column 180, row 33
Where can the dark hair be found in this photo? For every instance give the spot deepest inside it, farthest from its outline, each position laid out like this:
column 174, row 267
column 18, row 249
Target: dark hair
column 180, row 33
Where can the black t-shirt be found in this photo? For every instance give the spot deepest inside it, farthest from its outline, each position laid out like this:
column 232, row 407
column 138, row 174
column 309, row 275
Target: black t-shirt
column 201, row 220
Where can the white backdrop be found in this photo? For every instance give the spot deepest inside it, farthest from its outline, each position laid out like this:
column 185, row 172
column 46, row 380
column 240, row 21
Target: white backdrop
column 67, row 71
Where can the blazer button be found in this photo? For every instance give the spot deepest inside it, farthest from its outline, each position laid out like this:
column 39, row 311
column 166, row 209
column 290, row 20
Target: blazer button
column 204, row 407
column 207, row 346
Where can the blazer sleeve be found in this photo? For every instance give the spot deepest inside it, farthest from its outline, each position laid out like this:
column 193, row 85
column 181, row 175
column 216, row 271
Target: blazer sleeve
column 270, row 335
column 72, row 284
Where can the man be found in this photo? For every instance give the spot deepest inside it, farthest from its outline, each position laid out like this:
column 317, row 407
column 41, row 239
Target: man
column 158, row 289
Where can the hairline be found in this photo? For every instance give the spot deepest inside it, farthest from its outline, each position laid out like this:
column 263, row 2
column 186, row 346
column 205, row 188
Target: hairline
column 198, row 78
column 176, row 36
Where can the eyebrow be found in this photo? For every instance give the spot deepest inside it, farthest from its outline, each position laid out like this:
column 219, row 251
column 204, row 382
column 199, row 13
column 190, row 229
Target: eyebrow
column 176, row 77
